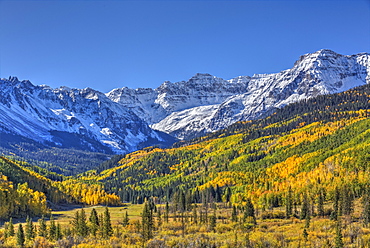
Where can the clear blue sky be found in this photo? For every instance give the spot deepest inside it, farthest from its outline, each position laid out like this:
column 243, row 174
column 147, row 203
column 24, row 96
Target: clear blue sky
column 111, row 44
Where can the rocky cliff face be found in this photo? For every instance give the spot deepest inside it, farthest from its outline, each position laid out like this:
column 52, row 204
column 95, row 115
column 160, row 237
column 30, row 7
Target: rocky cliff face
column 126, row 119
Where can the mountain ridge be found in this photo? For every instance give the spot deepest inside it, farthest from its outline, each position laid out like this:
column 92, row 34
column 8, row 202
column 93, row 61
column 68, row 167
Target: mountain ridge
column 124, row 120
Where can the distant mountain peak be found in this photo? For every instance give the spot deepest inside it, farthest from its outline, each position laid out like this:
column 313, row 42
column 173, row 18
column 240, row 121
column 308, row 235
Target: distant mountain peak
column 127, row 119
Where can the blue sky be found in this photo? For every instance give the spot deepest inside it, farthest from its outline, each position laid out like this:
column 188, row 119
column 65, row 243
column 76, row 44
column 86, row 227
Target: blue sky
column 111, row 44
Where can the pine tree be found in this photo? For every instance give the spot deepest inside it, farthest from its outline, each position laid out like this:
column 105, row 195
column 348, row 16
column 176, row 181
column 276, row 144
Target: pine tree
column 10, row 232
column 218, row 194
column 347, row 200
column 58, row 233
column 94, row 222
column 167, row 212
column 195, row 215
column 249, row 211
column 234, row 215
column 289, row 204
column 107, row 225
column 188, row 200
column 147, row 222
column 212, row 221
column 20, row 236
column 320, row 203
column 227, row 194
column 76, row 223
column 305, row 207
column 159, row 217
column 52, row 229
column 42, row 227
column 338, row 236
column 126, row 220
column 308, row 220
column 182, row 202
column 83, row 230
column 30, row 229
column 336, row 206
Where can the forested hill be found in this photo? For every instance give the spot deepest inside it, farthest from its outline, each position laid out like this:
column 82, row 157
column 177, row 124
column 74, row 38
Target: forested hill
column 310, row 147
column 25, row 192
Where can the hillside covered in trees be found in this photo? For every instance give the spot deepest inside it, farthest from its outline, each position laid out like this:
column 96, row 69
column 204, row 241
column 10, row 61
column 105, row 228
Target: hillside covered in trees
column 24, row 191
column 317, row 144
column 299, row 177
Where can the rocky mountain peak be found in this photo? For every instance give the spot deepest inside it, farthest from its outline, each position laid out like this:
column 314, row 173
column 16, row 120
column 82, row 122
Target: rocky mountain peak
column 125, row 119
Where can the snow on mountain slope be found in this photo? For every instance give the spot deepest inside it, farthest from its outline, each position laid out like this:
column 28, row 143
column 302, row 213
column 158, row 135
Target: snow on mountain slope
column 187, row 123
column 322, row 72
column 127, row 119
column 44, row 114
column 153, row 105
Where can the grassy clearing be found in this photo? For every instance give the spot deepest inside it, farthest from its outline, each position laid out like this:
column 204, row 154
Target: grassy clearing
column 64, row 217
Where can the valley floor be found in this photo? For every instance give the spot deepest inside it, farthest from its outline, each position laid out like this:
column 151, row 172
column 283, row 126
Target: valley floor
column 200, row 229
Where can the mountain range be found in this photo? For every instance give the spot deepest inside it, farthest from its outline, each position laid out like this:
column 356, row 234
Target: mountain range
column 124, row 120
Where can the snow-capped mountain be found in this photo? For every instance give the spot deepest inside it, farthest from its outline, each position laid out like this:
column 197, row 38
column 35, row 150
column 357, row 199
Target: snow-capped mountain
column 126, row 119
column 82, row 118
column 206, row 103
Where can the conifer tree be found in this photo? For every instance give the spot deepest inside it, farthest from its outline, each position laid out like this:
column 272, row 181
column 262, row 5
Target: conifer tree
column 94, row 222
column 336, row 205
column 159, row 217
column 52, row 229
column 227, row 194
column 338, row 236
column 307, row 221
column 188, row 200
column 20, row 236
column 249, row 211
column 218, row 194
column 320, row 203
column 83, row 230
column 305, row 207
column 147, row 222
column 234, row 214
column 10, row 230
column 289, row 204
column 126, row 220
column 30, row 229
column 167, row 212
column 347, row 200
column 107, row 225
column 195, row 215
column 58, row 233
column 182, row 202
column 76, row 223
column 212, row 221
column 42, row 227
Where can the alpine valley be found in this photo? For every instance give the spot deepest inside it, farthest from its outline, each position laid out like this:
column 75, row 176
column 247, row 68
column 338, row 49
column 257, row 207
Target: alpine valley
column 37, row 121
column 275, row 160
